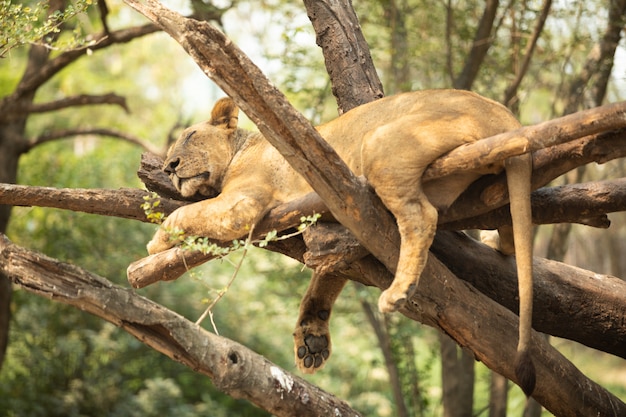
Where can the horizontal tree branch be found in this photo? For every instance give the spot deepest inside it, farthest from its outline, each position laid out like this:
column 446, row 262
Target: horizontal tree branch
column 53, row 66
column 169, row 265
column 526, row 139
column 73, row 101
column 583, row 203
column 586, row 203
column 83, row 131
column 548, row 164
column 124, row 202
column 233, row 368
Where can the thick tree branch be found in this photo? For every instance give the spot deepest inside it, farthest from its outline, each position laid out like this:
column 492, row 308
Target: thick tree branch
column 233, row 368
column 83, row 131
column 586, row 203
column 343, row 41
column 497, row 148
column 124, row 203
column 583, row 203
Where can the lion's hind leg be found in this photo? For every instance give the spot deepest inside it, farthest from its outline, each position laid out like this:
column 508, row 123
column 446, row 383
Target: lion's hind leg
column 312, row 345
column 417, row 223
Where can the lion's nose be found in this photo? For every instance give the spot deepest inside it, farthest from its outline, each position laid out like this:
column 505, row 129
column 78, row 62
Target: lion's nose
column 170, row 165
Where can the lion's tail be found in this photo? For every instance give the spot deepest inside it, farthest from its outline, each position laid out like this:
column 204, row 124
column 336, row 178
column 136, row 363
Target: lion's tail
column 519, row 171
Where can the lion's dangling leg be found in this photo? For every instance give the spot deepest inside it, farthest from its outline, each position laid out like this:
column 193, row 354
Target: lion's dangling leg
column 312, row 346
column 417, row 223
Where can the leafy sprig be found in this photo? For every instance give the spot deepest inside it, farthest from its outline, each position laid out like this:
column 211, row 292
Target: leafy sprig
column 22, row 25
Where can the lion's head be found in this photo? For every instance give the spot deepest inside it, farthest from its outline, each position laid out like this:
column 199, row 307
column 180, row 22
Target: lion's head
column 197, row 161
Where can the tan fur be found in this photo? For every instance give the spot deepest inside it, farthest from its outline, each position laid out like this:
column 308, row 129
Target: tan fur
column 390, row 141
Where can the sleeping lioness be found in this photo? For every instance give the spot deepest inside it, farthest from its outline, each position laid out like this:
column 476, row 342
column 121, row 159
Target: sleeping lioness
column 390, row 142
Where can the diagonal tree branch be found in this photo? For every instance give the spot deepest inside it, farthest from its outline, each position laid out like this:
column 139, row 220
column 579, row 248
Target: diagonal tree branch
column 510, row 93
column 482, row 43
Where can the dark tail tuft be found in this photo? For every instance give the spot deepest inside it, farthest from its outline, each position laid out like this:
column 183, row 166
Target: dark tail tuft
column 525, row 372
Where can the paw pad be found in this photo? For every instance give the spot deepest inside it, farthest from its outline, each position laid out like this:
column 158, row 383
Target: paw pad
column 314, row 352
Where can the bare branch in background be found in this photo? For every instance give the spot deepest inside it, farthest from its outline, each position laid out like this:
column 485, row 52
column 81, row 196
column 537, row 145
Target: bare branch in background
column 68, row 133
column 73, row 101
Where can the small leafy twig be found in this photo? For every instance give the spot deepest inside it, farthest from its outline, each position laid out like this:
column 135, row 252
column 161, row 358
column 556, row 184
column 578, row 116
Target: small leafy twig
column 150, row 205
column 223, row 291
column 24, row 24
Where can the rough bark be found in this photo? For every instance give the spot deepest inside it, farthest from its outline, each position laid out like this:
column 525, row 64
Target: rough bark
column 233, row 368
column 345, row 52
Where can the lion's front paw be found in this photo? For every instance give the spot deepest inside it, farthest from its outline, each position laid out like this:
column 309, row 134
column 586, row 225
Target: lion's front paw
column 159, row 243
column 312, row 343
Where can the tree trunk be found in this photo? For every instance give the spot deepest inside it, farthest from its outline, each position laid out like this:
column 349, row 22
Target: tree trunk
column 346, row 53
column 482, row 42
column 457, row 379
column 392, row 368
column 498, row 395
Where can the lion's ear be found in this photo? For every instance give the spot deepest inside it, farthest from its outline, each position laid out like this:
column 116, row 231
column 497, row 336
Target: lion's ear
column 225, row 112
